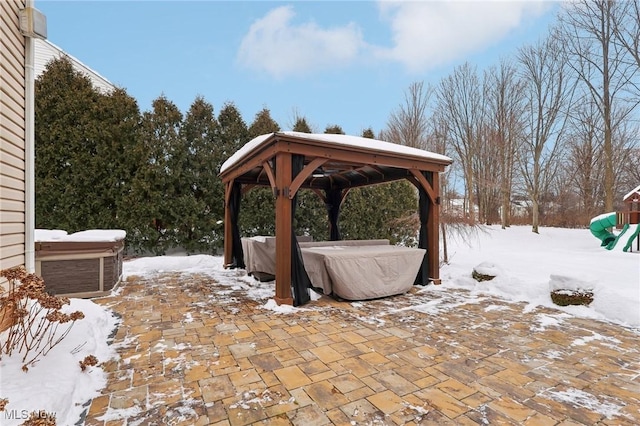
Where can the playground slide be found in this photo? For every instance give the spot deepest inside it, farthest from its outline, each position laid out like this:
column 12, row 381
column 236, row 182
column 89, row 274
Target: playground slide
column 618, row 237
column 633, row 232
column 599, row 228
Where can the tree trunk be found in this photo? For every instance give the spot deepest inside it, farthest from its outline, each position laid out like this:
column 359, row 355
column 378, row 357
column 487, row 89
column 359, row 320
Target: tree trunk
column 535, row 214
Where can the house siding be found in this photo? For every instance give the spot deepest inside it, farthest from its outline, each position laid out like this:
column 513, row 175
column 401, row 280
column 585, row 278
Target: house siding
column 45, row 52
column 12, row 136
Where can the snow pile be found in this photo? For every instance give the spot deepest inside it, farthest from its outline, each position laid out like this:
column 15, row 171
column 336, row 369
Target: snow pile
column 560, row 282
column 488, row 268
column 55, row 384
column 281, row 309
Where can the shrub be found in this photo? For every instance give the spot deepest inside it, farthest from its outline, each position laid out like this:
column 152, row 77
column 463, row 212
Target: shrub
column 34, row 319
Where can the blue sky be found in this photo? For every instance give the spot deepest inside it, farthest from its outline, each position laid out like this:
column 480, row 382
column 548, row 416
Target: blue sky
column 333, row 62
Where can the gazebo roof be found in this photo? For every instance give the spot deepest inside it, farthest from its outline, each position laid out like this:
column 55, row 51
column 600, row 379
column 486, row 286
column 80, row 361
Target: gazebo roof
column 339, row 161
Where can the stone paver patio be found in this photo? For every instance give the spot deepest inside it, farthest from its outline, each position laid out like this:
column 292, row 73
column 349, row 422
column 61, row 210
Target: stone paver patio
column 194, row 352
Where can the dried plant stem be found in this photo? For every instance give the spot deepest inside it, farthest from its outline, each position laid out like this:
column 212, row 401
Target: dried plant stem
column 35, row 317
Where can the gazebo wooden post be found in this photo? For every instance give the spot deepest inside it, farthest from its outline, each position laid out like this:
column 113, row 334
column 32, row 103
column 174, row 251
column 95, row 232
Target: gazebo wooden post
column 283, row 229
column 228, row 239
column 433, row 222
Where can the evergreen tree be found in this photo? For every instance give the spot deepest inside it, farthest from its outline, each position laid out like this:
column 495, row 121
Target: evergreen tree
column 65, row 102
column 119, row 121
column 368, row 133
column 302, row 126
column 257, row 215
column 231, row 134
column 83, row 139
column 380, row 211
column 199, row 230
column 334, row 130
column 157, row 192
column 263, row 124
column 311, row 216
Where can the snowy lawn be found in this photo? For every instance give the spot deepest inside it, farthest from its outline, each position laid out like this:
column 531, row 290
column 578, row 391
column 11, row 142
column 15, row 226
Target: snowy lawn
column 527, row 266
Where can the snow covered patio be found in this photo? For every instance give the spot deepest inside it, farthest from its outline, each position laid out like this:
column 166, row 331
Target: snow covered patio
column 199, row 350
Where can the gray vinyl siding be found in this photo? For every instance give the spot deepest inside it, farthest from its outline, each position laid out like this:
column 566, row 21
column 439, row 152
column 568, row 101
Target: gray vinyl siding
column 12, row 136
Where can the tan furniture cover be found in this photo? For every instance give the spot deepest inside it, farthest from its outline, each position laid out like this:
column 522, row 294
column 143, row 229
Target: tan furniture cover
column 260, row 251
column 350, row 269
column 260, row 254
column 362, row 272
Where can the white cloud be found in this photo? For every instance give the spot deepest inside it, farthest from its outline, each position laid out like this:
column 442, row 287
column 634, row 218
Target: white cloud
column 433, row 33
column 275, row 45
column 425, row 34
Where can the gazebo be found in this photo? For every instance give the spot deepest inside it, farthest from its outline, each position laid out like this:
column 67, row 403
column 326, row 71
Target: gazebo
column 330, row 165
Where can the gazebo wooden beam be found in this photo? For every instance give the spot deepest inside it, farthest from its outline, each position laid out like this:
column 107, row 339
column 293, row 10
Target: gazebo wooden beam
column 433, row 235
column 320, row 194
column 343, row 195
column 269, row 172
column 228, row 244
column 377, row 169
column 359, row 157
column 256, row 160
column 304, row 174
column 248, row 187
column 283, row 229
column 417, row 174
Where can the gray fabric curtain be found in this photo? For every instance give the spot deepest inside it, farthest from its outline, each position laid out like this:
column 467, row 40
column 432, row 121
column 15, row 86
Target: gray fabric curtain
column 234, row 210
column 300, row 281
column 333, row 197
column 424, row 204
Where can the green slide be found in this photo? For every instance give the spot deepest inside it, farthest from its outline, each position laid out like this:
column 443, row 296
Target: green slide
column 599, row 228
column 634, row 230
column 613, row 243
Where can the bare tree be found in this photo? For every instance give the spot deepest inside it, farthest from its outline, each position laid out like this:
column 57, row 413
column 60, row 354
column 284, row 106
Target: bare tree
column 587, row 31
column 505, row 109
column 487, row 175
column 626, row 27
column 408, row 124
column 459, row 103
column 547, row 93
column 626, row 148
column 584, row 166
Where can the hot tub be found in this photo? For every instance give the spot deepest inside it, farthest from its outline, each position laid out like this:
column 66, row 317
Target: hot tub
column 82, row 264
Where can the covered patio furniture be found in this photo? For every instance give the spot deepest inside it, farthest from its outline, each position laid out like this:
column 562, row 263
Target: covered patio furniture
column 361, row 272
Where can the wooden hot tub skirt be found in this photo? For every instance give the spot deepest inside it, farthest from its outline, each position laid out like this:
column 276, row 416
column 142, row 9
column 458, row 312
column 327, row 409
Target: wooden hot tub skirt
column 79, row 269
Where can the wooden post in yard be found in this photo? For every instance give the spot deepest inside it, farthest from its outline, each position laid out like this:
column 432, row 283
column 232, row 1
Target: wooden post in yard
column 433, row 221
column 228, row 238
column 283, row 229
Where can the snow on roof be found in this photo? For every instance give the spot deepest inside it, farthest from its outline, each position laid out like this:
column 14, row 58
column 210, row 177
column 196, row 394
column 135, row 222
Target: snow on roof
column 332, row 139
column 631, row 193
column 91, row 235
